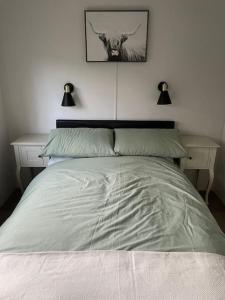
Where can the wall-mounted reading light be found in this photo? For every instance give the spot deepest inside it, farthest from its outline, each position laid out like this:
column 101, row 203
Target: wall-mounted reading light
column 164, row 97
column 67, row 98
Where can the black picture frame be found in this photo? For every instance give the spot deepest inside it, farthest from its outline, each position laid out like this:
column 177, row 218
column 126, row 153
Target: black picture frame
column 102, row 40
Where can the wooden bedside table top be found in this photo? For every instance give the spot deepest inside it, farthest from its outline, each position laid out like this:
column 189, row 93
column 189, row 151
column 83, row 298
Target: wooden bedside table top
column 31, row 140
column 198, row 141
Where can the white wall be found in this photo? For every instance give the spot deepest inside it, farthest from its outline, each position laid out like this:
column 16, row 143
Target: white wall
column 43, row 46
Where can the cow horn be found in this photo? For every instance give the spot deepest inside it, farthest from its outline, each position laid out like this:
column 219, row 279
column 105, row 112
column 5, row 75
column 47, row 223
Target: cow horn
column 134, row 31
column 93, row 29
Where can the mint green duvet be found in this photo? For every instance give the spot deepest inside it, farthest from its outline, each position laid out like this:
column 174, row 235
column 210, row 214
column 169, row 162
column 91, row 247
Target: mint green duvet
column 105, row 203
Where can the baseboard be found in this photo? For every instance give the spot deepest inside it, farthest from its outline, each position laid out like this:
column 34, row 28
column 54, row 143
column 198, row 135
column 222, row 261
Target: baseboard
column 219, row 188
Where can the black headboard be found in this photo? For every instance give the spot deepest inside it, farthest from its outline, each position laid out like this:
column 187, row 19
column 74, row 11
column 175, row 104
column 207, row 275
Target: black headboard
column 114, row 124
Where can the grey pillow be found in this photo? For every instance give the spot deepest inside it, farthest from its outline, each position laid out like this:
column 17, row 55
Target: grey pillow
column 79, row 142
column 148, row 142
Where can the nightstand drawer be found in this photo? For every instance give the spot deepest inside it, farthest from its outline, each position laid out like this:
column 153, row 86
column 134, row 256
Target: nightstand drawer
column 29, row 156
column 198, row 158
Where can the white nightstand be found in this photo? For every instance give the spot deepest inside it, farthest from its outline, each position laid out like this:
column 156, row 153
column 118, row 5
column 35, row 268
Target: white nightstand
column 201, row 156
column 27, row 150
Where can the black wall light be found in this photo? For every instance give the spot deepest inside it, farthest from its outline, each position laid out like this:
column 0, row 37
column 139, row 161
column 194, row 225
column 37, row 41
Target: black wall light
column 67, row 98
column 164, row 97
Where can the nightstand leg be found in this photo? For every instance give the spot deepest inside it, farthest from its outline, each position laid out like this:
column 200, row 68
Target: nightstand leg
column 18, row 176
column 211, row 177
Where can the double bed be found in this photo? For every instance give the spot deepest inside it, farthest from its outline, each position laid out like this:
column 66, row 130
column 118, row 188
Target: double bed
column 117, row 227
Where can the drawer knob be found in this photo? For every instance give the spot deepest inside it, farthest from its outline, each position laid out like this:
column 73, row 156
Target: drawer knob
column 190, row 157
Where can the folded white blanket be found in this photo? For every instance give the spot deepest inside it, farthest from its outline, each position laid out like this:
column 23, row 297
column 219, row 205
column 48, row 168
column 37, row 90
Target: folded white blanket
column 112, row 275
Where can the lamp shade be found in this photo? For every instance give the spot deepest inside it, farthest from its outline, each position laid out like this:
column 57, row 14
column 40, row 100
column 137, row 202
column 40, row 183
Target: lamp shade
column 164, row 97
column 67, row 98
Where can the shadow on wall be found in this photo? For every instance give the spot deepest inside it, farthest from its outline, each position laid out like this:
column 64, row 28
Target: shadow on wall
column 77, row 98
column 219, row 185
column 7, row 176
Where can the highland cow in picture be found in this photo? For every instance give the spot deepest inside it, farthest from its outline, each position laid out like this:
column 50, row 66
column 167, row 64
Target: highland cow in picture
column 119, row 36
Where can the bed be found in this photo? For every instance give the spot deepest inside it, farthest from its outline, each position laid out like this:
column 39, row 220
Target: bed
column 121, row 227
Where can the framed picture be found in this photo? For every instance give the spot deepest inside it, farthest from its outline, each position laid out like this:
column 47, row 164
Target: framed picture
column 116, row 35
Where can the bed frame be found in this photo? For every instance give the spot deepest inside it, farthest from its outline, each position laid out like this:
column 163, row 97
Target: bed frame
column 114, row 124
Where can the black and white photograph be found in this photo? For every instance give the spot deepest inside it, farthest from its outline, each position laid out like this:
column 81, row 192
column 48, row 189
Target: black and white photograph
column 116, row 36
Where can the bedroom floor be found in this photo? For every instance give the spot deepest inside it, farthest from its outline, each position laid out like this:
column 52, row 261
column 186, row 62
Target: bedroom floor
column 216, row 207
